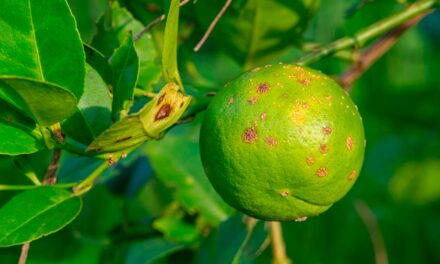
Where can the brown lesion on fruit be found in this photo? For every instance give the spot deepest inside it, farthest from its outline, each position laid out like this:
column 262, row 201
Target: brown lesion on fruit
column 271, row 141
column 327, row 130
column 322, row 172
column 263, row 88
column 352, row 175
column 250, row 135
column 304, row 81
column 349, row 143
column 163, row 112
column 310, row 160
column 323, row 148
column 253, row 100
column 263, row 116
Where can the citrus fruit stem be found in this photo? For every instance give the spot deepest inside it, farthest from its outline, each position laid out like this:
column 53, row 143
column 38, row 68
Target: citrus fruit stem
column 278, row 245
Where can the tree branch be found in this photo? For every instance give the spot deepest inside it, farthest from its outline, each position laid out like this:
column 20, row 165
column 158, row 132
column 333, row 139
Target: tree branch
column 364, row 35
column 375, row 51
column 212, row 25
column 154, row 22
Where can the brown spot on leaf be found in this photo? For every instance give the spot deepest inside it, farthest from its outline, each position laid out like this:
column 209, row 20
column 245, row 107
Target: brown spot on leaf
column 160, row 99
column 250, row 135
column 111, row 160
column 327, row 130
column 253, row 100
column 163, row 112
column 271, row 141
column 349, row 143
column 122, row 139
column 284, row 193
column 263, row 88
column 352, row 175
column 263, row 116
column 181, row 105
column 322, row 172
column 323, row 148
column 310, row 160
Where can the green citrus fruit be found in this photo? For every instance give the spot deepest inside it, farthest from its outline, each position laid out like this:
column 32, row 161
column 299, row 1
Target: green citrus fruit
column 282, row 143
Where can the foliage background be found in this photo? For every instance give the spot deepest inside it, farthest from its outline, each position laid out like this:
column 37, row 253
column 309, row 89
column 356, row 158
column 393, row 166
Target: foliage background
column 157, row 204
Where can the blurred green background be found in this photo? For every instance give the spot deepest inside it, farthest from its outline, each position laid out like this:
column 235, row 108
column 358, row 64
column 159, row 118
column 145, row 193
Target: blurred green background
column 157, row 205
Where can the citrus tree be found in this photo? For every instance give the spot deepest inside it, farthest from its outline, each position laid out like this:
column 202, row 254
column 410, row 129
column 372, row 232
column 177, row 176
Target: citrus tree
column 187, row 132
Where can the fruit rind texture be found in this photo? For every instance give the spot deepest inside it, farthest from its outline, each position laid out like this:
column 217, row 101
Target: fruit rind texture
column 282, row 142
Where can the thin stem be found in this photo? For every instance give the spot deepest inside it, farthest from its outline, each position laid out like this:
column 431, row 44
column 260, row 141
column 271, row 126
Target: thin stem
column 50, row 176
column 212, row 25
column 86, row 184
column 78, row 148
column 368, row 57
column 364, row 35
column 154, row 22
column 4, row 187
column 370, row 222
column 24, row 253
column 278, row 246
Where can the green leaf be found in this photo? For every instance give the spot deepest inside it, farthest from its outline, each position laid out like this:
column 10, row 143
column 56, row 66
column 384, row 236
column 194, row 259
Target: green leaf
column 174, row 227
column 177, row 163
column 93, row 114
column 151, row 250
column 255, row 32
column 40, row 41
column 98, row 62
column 125, row 68
column 46, row 103
column 36, row 213
column 18, row 133
column 113, row 26
column 169, row 53
column 233, row 241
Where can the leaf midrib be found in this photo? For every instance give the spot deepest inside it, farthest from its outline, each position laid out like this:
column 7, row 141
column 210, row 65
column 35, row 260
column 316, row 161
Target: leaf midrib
column 37, row 51
column 32, row 218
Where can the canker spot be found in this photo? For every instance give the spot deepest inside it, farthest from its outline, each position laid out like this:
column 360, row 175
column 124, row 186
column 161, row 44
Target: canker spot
column 263, row 116
column 310, row 160
column 271, row 141
column 253, row 100
column 323, row 148
column 163, row 112
column 250, row 135
column 322, row 172
column 263, row 88
column 304, row 81
column 349, row 143
column 326, row 130
column 284, row 194
column 352, row 175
